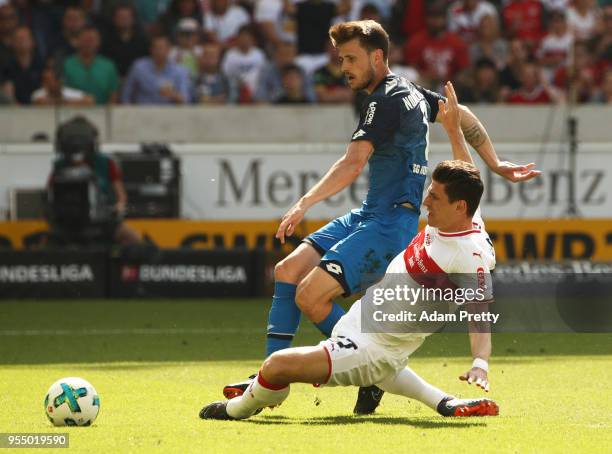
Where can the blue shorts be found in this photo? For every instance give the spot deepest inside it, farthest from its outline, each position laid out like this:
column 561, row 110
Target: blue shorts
column 356, row 248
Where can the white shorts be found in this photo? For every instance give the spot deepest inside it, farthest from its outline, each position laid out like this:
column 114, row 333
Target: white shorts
column 356, row 359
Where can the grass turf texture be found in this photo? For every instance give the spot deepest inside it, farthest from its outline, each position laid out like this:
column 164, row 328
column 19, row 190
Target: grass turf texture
column 155, row 363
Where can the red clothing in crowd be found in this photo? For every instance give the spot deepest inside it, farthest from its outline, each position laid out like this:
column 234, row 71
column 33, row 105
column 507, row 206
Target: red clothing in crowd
column 414, row 17
column 539, row 95
column 441, row 57
column 523, row 19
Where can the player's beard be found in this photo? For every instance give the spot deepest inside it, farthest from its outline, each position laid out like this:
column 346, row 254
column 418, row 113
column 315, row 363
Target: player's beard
column 368, row 79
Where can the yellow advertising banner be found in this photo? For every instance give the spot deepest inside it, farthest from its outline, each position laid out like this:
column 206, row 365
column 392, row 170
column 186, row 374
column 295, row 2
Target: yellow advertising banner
column 588, row 239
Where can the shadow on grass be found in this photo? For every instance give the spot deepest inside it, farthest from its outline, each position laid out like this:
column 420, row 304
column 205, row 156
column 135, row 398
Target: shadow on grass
column 421, row 423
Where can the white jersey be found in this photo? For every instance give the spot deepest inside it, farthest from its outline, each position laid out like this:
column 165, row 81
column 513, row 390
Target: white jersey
column 361, row 356
column 434, row 259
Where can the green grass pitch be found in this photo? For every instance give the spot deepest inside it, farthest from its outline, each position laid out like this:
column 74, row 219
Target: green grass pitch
column 155, row 363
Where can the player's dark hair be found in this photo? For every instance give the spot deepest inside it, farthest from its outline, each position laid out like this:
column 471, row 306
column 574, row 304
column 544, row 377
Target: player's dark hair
column 461, row 181
column 370, row 33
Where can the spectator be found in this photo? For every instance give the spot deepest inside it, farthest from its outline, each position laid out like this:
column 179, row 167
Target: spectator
column 438, row 55
column 275, row 22
column 484, row 85
column 579, row 80
column 603, row 50
column 8, row 25
column 510, row 76
column 90, row 72
column 188, row 50
column 488, row 44
column 293, row 86
column 65, row 43
column 270, row 84
column 157, row 79
column 329, row 82
column 582, row 18
column 94, row 16
column 369, row 11
column 179, row 9
column 149, row 11
column 397, row 65
column 552, row 5
column 53, row 92
column 25, row 68
column 242, row 65
column 523, row 19
column 43, row 18
column 211, row 86
column 604, row 95
column 313, row 19
column 127, row 42
column 376, row 10
column 555, row 47
column 532, row 90
column 223, row 21
column 465, row 17
column 413, row 17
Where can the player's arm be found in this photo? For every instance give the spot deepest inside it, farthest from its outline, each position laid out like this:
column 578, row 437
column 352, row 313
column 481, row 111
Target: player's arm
column 476, row 135
column 480, row 345
column 344, row 171
column 449, row 115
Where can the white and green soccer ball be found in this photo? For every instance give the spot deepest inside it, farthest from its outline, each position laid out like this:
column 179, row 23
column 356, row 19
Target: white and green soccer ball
column 72, row 401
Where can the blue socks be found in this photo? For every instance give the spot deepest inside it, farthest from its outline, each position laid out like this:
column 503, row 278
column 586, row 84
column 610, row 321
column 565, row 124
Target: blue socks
column 283, row 319
column 327, row 325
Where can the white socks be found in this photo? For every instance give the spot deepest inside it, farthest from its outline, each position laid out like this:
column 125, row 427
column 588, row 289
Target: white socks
column 259, row 394
column 407, row 383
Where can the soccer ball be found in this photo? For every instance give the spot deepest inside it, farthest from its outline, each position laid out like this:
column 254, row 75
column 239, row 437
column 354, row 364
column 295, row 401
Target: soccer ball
column 72, row 401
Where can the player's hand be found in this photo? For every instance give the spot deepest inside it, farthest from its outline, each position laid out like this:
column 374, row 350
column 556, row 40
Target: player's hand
column 448, row 111
column 289, row 221
column 477, row 376
column 515, row 173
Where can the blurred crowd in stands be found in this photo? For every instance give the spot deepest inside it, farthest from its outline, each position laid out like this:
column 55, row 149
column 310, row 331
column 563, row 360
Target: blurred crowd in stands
column 277, row 51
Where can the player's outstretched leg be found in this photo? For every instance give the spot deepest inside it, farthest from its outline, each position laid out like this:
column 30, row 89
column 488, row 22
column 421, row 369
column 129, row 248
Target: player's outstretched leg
column 271, row 385
column 284, row 315
column 407, row 383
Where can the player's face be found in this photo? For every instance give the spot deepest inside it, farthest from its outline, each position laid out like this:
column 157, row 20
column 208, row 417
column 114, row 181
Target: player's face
column 357, row 64
column 440, row 211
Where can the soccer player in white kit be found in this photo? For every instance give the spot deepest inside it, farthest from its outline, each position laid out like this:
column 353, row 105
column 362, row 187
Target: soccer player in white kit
column 454, row 243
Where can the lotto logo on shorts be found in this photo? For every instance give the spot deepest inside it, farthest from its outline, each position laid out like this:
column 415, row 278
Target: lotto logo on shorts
column 334, row 268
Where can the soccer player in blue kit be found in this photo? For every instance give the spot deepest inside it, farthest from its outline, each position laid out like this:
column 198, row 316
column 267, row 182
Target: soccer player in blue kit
column 348, row 254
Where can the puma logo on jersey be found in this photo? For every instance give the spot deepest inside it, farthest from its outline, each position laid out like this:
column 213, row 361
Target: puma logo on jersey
column 477, row 254
column 359, row 133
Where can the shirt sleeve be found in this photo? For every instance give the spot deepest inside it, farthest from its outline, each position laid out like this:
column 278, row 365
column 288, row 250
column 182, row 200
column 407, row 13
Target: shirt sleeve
column 472, row 275
column 432, row 99
column 379, row 121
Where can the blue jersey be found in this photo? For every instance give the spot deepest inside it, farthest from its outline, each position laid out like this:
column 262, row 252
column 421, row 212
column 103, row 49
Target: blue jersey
column 395, row 119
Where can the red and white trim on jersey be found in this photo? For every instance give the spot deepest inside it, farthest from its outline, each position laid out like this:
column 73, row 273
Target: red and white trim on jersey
column 463, row 233
column 329, row 364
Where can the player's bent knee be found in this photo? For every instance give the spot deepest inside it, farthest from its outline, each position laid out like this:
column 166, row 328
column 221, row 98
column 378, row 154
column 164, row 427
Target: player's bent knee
column 277, row 368
column 286, row 271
